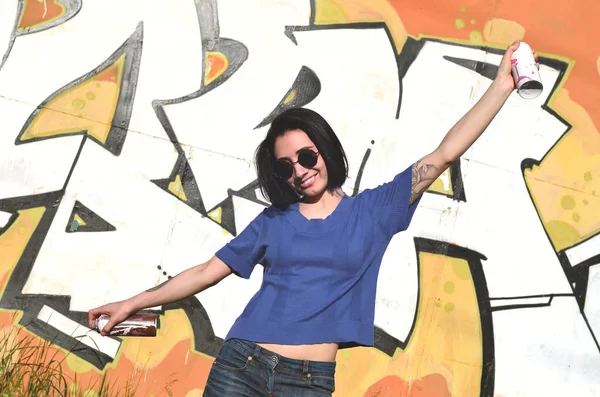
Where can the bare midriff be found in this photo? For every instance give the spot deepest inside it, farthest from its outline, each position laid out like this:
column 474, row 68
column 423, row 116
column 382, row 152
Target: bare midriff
column 316, row 352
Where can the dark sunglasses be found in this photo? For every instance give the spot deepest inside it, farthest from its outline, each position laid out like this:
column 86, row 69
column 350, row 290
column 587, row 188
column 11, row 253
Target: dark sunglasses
column 307, row 158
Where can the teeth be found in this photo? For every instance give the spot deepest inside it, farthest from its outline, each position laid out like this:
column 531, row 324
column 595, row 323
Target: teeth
column 308, row 180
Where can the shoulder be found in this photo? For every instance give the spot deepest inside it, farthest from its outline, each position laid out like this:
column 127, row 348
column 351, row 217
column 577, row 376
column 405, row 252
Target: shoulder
column 271, row 215
column 273, row 212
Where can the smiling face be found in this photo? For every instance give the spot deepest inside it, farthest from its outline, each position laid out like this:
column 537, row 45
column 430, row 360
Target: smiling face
column 310, row 182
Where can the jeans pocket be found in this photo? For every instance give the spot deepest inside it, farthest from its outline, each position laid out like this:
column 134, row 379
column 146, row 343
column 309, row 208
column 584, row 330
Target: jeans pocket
column 325, row 383
column 232, row 359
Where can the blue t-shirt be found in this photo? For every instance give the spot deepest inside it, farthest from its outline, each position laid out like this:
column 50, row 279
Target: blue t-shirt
column 320, row 275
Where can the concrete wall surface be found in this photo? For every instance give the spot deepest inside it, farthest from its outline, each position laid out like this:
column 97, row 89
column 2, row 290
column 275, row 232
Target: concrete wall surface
column 126, row 144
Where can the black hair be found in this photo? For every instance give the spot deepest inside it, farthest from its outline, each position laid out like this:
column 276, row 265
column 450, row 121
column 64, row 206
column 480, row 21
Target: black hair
column 277, row 190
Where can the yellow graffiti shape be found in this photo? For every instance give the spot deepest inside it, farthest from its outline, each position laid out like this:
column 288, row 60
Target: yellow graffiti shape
column 88, row 106
column 14, row 240
column 331, row 12
column 80, row 221
column 290, row 96
column 444, row 355
column 475, row 36
column 216, row 215
column 443, row 184
column 502, row 31
column 78, row 365
column 176, row 187
column 566, row 186
column 152, row 351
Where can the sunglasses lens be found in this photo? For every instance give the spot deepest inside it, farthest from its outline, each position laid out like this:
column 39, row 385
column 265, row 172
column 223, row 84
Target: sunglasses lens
column 283, row 169
column 307, row 158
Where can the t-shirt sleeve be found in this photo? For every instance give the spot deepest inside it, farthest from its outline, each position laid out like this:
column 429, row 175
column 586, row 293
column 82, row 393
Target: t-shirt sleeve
column 245, row 250
column 390, row 202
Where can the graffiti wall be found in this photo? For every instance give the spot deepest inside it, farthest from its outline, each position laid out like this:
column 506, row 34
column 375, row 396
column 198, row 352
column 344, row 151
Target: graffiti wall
column 128, row 130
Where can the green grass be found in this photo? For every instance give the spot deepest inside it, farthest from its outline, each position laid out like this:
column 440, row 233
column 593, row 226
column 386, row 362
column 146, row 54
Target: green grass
column 31, row 367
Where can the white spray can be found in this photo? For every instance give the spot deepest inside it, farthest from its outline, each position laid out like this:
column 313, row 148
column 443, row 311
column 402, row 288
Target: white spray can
column 525, row 72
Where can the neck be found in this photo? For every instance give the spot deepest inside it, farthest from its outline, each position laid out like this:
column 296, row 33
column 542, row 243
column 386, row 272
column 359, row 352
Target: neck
column 324, row 199
column 313, row 207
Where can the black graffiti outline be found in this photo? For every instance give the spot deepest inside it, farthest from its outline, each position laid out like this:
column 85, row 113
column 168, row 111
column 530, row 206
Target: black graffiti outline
column 308, row 87
column 361, row 170
column 94, row 222
column 526, row 305
column 411, row 46
column 579, row 275
column 237, row 54
column 485, row 69
column 456, row 181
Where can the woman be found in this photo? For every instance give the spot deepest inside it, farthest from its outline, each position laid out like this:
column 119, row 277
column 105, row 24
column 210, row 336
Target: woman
column 321, row 251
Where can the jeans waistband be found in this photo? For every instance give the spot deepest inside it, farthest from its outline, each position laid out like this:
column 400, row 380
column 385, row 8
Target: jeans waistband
column 272, row 359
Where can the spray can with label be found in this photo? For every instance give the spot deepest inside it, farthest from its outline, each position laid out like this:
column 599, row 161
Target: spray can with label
column 139, row 324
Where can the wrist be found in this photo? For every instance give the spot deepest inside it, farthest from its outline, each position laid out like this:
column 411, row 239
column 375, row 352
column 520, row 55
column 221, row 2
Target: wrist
column 502, row 88
column 131, row 305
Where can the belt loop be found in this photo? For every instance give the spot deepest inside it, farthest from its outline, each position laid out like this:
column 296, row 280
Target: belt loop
column 256, row 353
column 305, row 367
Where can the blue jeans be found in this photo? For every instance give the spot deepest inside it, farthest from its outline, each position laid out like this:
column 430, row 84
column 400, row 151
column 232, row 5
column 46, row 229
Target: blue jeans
column 242, row 368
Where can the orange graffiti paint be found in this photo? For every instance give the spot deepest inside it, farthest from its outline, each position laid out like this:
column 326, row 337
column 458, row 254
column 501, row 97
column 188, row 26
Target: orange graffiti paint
column 36, row 13
column 216, row 64
column 433, row 385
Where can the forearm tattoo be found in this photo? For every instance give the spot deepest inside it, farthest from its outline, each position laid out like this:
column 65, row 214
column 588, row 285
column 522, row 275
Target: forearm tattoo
column 423, row 176
column 159, row 286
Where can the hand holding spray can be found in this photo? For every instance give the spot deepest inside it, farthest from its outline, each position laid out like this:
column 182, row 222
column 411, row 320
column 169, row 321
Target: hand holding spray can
column 525, row 72
column 140, row 324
